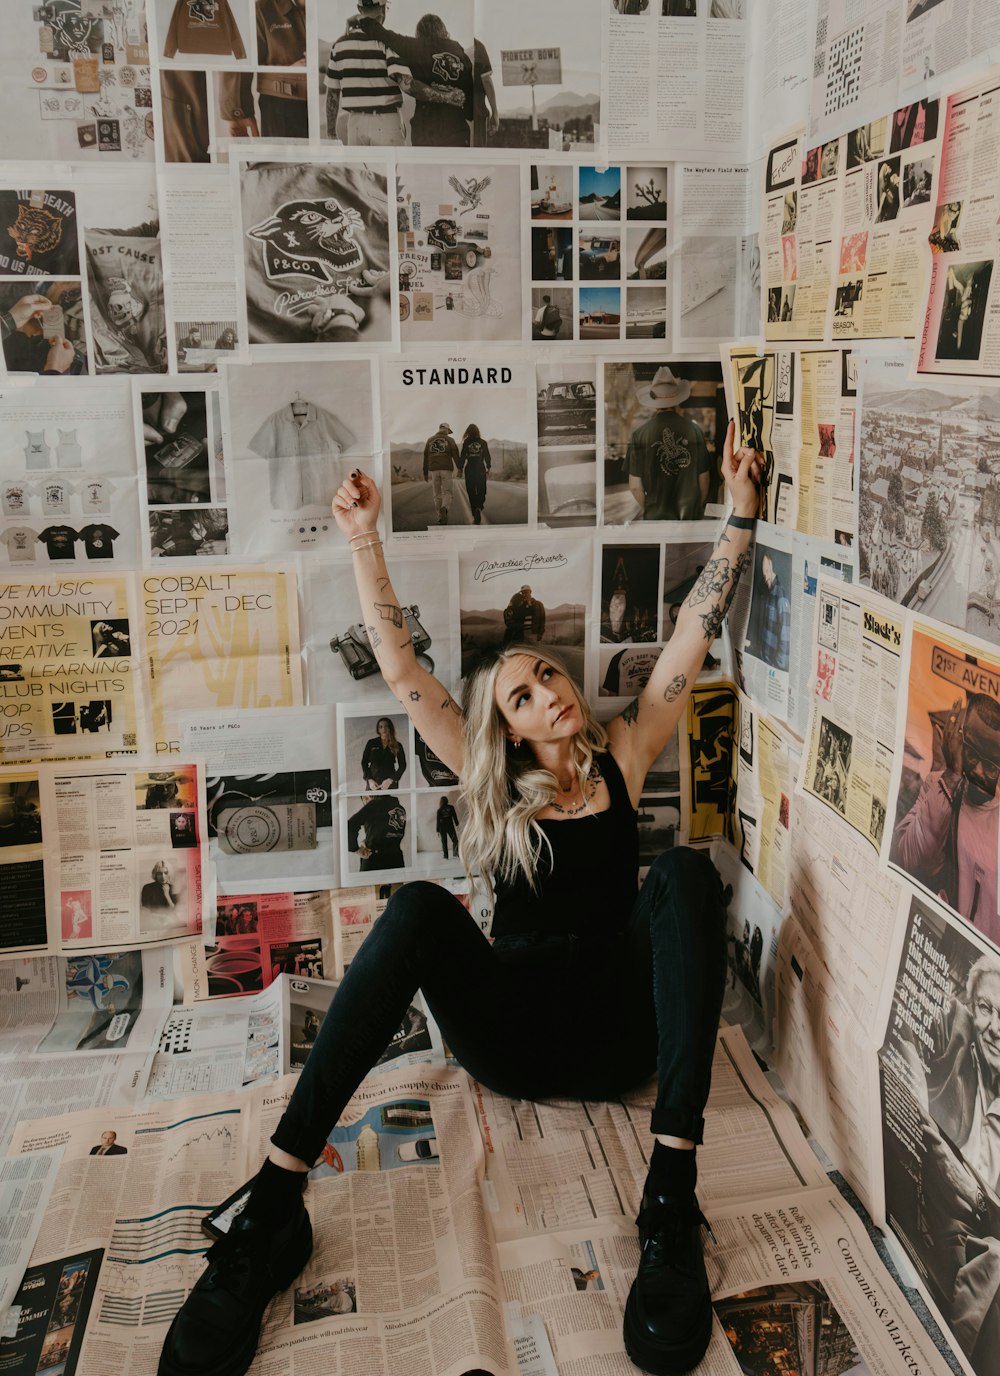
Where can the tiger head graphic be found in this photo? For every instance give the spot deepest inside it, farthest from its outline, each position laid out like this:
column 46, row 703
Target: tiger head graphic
column 309, row 239
column 203, row 11
column 36, row 230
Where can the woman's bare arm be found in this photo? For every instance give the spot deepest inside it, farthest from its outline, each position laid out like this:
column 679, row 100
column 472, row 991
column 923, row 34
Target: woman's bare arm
column 426, row 701
column 643, row 729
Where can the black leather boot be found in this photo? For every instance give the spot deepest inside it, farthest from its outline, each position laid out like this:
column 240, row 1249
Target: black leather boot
column 668, row 1317
column 216, row 1330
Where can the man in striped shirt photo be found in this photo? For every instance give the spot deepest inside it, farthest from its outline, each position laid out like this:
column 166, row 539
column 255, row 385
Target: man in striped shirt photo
column 366, row 79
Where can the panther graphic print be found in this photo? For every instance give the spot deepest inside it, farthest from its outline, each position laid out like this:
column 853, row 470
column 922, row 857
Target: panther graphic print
column 203, row 11
column 672, row 453
column 309, row 239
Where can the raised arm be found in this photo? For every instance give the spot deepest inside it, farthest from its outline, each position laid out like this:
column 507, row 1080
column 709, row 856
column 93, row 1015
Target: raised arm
column 426, row 701
column 643, row 729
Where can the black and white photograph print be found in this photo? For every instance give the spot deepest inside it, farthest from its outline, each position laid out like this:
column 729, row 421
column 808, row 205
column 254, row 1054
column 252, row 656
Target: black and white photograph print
column 459, row 251
column 833, row 765
column 294, row 432
column 943, row 237
column 887, row 190
column 458, row 441
column 340, row 663
column 315, row 240
column 664, row 424
column 128, row 319
column 647, row 312
column 646, row 254
column 111, row 638
column 630, row 583
column 768, row 635
column 439, row 819
column 918, row 181
column 48, row 335
column 963, row 310
column 567, row 488
column 375, row 839
column 645, row 193
column 659, row 820
column 600, row 193
column 866, row 142
column 552, row 191
column 375, row 751
column 552, row 313
column 201, row 342
column 566, row 403
column 526, row 591
column 20, row 812
column 176, row 446
column 184, row 532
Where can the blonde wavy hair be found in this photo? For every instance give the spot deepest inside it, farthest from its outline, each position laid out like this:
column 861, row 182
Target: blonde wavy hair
column 503, row 786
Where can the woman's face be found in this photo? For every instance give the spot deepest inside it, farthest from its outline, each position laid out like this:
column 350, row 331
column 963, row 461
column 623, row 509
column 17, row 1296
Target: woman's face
column 536, row 701
column 384, row 728
column 161, row 872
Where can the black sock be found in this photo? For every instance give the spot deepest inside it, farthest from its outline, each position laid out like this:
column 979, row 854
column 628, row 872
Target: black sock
column 673, row 1172
column 275, row 1194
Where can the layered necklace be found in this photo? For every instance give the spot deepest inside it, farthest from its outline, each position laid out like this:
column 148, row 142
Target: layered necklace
column 593, row 780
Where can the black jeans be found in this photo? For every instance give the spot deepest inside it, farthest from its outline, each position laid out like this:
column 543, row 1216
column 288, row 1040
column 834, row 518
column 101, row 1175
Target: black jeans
column 536, row 1018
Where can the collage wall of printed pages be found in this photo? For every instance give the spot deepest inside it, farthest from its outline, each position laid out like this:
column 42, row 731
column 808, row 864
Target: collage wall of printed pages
column 532, row 279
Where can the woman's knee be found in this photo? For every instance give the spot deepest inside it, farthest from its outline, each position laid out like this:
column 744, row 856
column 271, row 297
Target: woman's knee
column 684, row 881
column 420, row 907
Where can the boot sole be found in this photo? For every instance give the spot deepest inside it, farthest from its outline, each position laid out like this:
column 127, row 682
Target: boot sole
column 660, row 1358
column 242, row 1359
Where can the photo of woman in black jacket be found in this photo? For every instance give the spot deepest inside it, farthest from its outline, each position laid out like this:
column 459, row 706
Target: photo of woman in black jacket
column 383, row 762
column 475, row 463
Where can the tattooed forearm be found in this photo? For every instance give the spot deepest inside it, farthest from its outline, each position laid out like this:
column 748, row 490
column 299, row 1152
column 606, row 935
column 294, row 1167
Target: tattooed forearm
column 388, row 611
column 414, row 695
column 405, row 644
column 711, row 581
column 381, row 584
column 374, row 637
column 675, row 687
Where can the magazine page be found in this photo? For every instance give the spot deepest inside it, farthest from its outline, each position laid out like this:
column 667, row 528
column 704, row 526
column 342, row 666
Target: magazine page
column 259, row 936
column 848, row 760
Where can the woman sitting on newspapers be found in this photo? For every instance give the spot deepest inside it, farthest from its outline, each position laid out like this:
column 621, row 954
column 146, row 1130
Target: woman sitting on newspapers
column 550, row 825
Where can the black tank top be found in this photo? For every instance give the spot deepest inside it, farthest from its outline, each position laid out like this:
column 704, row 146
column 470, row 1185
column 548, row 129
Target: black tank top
column 590, row 885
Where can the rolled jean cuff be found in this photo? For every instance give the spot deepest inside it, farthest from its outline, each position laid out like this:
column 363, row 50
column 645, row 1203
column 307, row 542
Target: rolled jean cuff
column 674, row 1122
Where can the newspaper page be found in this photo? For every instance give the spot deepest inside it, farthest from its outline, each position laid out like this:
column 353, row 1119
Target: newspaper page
column 884, row 171
column 937, row 1061
column 761, row 385
column 304, row 1003
column 210, row 1050
column 259, row 936
column 766, row 621
column 827, row 446
column 124, row 855
column 25, row 1190
column 799, row 222
column 856, row 60
column 222, row 638
column 67, row 671
column 850, row 742
column 294, row 431
column 269, row 796
column 826, row 1057
column 810, row 559
column 707, row 765
column 944, row 804
column 110, row 1002
column 781, row 40
column 373, row 1295
column 68, row 492
column 767, row 765
column 677, row 76
column 65, row 103
column 960, row 333
column 927, row 497
column 938, row 41
column 555, row 1165
column 23, row 912
column 714, row 211
column 198, row 267
column 753, row 921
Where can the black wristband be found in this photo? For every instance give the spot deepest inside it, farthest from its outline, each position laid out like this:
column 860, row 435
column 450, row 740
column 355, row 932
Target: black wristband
column 741, row 522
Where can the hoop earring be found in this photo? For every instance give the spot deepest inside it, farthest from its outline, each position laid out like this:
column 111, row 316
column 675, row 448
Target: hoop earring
column 515, row 742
